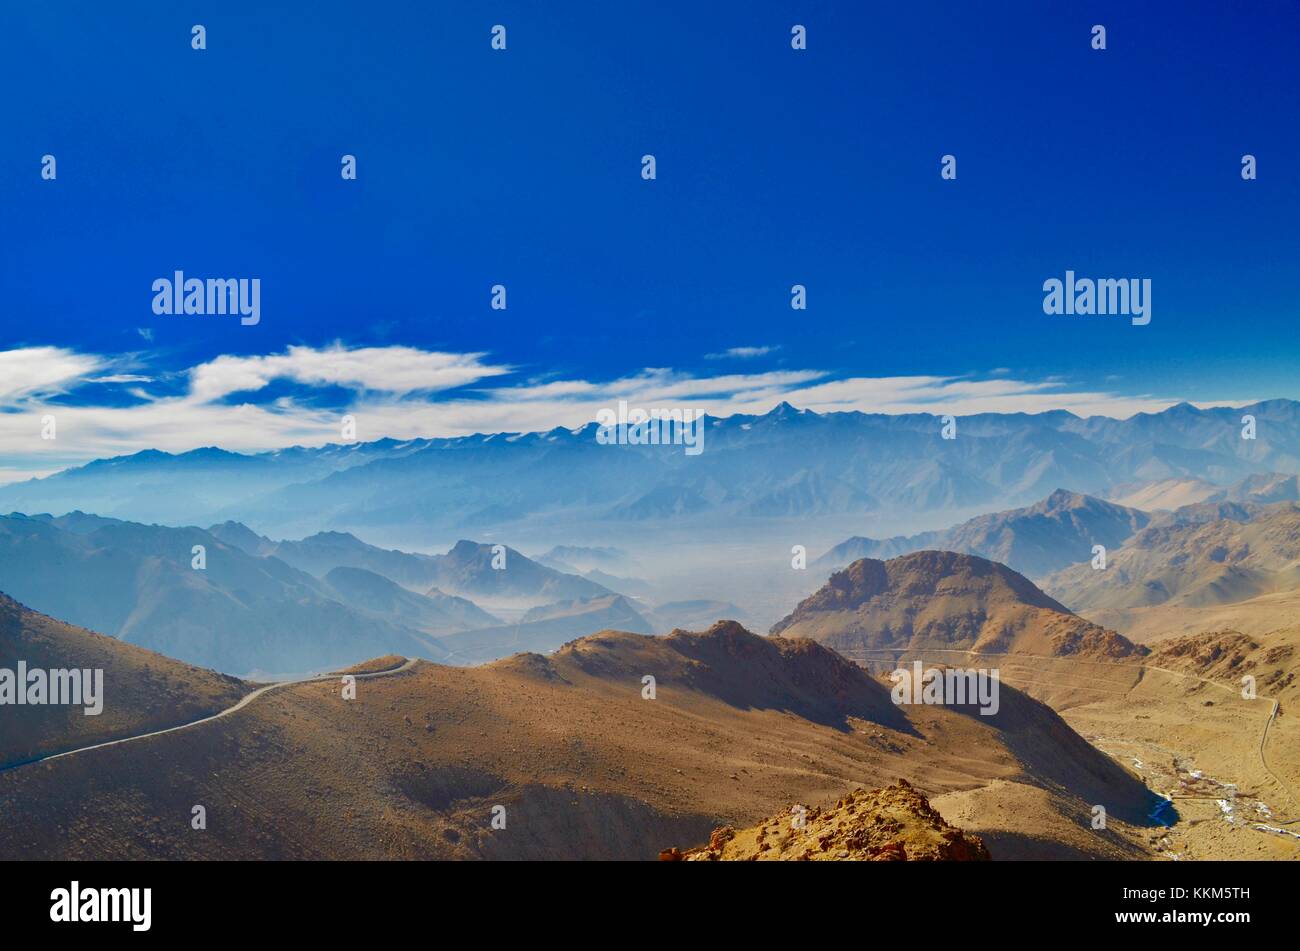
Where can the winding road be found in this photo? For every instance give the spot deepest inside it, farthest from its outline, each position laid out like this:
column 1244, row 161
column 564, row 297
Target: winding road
column 243, row 702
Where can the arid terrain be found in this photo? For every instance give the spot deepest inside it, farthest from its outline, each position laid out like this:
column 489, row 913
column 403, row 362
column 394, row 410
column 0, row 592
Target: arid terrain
column 1171, row 711
column 584, row 764
column 622, row 745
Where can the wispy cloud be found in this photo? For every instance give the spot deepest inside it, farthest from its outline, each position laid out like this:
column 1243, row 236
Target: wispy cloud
column 116, row 378
column 741, row 353
column 37, row 372
column 405, row 392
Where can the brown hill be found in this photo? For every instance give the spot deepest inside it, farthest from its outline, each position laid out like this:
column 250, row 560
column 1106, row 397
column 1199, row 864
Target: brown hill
column 142, row 690
column 938, row 600
column 896, row 823
column 573, row 751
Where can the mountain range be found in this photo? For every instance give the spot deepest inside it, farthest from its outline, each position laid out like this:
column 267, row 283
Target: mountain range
column 257, row 606
column 786, row 463
column 1059, row 531
column 466, row 570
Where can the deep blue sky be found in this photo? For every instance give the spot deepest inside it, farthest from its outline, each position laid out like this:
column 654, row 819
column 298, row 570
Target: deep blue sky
column 775, row 167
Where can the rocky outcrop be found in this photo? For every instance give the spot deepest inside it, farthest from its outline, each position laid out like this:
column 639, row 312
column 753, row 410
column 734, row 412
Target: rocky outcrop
column 892, row 824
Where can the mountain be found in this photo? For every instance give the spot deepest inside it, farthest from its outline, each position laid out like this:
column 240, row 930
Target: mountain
column 939, row 600
column 141, row 690
column 321, row 553
column 468, row 569
column 153, row 485
column 859, row 546
column 572, row 755
column 432, row 612
column 1037, row 540
column 240, row 536
column 545, row 628
column 465, row 569
column 79, row 523
column 894, row 824
column 238, row 613
column 286, row 607
column 848, row 463
column 1194, row 561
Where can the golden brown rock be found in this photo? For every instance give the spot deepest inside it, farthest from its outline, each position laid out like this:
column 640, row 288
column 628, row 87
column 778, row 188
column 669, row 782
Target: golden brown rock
column 892, row 824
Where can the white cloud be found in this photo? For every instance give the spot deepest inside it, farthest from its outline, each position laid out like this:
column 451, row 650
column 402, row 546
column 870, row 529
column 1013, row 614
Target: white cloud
column 386, row 369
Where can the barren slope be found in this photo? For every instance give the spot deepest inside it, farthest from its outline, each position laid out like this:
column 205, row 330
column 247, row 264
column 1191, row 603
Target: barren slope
column 142, row 690
column 584, row 765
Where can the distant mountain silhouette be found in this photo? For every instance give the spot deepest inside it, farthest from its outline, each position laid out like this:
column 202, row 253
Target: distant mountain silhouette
column 1037, row 540
column 467, row 569
column 238, row 614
